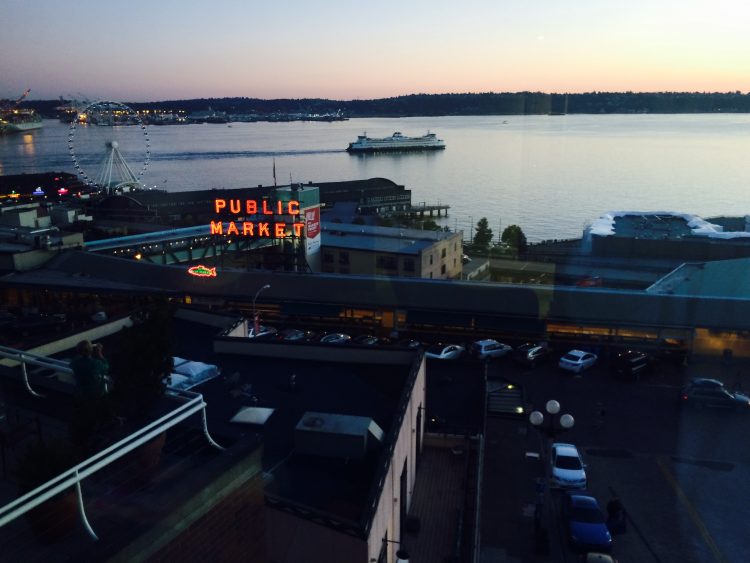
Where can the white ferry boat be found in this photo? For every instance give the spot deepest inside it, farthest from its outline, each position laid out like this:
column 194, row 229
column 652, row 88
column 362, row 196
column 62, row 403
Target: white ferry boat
column 19, row 120
column 396, row 142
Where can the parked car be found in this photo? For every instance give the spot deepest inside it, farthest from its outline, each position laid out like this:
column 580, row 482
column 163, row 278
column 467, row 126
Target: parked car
column 631, row 364
column 531, row 354
column 704, row 392
column 568, row 469
column 296, row 335
column 672, row 351
column 577, row 361
column 409, row 343
column 335, row 338
column 262, row 332
column 368, row 340
column 445, row 351
column 585, row 523
column 489, row 348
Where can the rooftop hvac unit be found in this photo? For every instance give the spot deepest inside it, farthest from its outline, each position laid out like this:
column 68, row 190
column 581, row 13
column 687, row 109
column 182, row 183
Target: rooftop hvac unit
column 336, row 435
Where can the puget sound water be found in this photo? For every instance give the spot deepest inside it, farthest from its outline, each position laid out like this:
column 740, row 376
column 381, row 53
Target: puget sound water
column 549, row 174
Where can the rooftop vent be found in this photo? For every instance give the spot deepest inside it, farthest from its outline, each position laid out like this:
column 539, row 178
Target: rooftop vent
column 336, row 435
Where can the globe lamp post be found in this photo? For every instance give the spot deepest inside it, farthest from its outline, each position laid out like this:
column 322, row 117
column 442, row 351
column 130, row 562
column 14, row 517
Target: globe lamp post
column 256, row 319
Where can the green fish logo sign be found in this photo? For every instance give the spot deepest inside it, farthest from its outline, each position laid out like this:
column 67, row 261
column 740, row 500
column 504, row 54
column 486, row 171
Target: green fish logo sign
column 202, row 271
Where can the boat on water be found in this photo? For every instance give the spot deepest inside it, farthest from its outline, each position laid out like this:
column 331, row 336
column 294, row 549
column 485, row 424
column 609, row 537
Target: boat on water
column 395, row 143
column 18, row 120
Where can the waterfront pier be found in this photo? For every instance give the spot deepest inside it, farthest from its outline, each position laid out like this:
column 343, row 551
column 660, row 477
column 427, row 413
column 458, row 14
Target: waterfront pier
column 422, row 208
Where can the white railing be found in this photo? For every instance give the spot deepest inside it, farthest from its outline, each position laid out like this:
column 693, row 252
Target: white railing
column 24, row 358
column 193, row 403
column 73, row 476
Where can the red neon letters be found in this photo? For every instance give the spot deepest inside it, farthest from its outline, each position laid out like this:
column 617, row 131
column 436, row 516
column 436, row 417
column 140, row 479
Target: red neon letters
column 275, row 229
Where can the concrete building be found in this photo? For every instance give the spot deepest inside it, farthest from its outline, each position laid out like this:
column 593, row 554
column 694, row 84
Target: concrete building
column 326, row 475
column 728, row 279
column 28, row 247
column 663, row 235
column 341, row 448
column 387, row 251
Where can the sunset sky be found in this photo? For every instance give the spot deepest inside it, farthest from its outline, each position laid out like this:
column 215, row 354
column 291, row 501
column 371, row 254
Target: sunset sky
column 169, row 49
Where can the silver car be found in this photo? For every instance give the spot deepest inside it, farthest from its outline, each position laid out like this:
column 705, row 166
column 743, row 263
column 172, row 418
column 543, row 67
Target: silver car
column 336, row 338
column 489, row 348
column 568, row 469
column 577, row 361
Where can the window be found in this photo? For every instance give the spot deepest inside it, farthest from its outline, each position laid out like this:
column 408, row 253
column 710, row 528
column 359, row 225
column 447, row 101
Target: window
column 386, row 263
column 408, row 265
column 344, row 258
column 430, row 259
column 328, row 258
column 443, row 253
column 442, row 269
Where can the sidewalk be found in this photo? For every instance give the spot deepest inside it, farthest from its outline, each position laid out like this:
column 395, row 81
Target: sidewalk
column 512, row 465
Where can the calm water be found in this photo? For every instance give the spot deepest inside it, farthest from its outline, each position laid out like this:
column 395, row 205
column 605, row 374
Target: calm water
column 549, row 174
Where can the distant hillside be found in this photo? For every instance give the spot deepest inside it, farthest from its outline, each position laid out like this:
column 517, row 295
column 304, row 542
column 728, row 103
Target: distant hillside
column 518, row 103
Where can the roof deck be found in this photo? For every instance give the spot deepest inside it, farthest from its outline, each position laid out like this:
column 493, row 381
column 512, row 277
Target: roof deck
column 124, row 507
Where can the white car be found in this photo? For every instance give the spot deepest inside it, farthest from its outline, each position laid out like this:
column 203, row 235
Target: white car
column 489, row 348
column 336, row 338
column 445, row 351
column 568, row 469
column 263, row 331
column 577, row 361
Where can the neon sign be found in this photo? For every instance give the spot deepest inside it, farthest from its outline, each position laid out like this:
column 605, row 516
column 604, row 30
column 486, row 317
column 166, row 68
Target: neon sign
column 273, row 227
column 201, row 271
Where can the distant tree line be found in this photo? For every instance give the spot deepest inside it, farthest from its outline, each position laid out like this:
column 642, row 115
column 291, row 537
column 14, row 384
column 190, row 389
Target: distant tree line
column 518, row 103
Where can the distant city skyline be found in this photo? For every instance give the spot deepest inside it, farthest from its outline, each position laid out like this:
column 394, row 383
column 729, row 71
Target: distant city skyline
column 143, row 51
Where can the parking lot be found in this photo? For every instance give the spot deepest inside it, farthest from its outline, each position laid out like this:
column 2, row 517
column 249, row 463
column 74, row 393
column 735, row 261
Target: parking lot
column 681, row 474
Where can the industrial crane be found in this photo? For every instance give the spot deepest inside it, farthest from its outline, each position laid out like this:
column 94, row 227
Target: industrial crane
column 13, row 105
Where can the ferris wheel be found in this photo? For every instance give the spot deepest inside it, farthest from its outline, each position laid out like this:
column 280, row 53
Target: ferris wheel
column 110, row 147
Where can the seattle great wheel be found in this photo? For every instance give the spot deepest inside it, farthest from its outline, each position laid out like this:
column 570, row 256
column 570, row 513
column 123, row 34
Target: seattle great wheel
column 109, row 146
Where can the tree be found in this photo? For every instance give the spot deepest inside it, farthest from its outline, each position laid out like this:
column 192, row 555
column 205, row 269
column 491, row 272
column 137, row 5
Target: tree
column 483, row 235
column 142, row 361
column 513, row 236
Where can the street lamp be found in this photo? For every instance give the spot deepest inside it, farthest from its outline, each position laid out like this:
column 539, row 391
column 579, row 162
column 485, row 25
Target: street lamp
column 256, row 319
column 552, row 407
column 566, row 422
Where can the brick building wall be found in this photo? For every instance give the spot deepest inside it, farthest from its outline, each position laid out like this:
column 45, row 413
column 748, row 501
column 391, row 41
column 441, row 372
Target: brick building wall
column 221, row 520
column 233, row 530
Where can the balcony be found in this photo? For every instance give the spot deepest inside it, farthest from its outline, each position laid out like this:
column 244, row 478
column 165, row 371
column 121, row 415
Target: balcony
column 130, row 499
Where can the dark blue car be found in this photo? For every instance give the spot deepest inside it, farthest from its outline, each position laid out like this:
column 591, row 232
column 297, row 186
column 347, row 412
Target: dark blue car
column 585, row 523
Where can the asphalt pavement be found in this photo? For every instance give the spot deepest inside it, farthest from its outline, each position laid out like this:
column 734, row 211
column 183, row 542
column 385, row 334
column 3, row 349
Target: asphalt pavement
column 682, row 475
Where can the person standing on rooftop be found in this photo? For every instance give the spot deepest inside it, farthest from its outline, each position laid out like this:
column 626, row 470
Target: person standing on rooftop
column 90, row 369
column 92, row 408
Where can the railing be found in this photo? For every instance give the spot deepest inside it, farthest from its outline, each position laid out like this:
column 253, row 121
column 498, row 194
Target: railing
column 73, row 476
column 29, row 358
column 193, row 403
